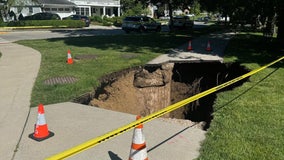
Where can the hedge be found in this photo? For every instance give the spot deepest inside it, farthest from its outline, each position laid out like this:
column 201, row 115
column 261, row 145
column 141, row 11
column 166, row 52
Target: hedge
column 53, row 23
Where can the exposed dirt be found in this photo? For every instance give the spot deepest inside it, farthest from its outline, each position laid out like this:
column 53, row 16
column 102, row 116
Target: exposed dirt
column 136, row 91
column 144, row 90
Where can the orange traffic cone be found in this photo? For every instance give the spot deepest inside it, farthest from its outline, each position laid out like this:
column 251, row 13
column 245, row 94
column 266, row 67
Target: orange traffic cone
column 69, row 57
column 41, row 131
column 138, row 149
column 208, row 48
column 189, row 48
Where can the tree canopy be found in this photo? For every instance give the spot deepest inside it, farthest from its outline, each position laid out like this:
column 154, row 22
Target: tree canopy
column 267, row 13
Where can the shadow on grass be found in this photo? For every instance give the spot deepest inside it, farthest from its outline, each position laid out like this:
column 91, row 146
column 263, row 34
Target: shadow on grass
column 105, row 39
column 253, row 48
column 134, row 43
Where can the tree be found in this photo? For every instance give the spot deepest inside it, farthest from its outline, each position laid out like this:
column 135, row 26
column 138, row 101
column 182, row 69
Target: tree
column 267, row 12
column 173, row 4
column 195, row 8
column 135, row 7
column 5, row 8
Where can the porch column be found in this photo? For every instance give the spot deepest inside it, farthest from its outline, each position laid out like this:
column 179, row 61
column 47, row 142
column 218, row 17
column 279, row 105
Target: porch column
column 104, row 11
column 90, row 11
column 118, row 12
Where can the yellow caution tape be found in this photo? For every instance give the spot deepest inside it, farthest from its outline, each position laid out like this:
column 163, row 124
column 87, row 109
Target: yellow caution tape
column 123, row 129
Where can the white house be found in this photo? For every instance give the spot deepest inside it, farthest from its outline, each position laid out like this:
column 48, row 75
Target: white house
column 65, row 8
column 27, row 7
column 97, row 7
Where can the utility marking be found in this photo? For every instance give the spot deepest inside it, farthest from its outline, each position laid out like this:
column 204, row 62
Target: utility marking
column 93, row 142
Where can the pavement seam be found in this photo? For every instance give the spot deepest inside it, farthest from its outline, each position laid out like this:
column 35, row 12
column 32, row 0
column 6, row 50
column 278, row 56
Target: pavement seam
column 21, row 135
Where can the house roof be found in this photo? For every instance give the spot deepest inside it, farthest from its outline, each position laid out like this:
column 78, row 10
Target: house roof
column 25, row 3
column 43, row 2
column 56, row 2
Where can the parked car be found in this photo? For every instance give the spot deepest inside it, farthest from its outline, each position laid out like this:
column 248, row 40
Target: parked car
column 85, row 19
column 43, row 16
column 181, row 22
column 140, row 24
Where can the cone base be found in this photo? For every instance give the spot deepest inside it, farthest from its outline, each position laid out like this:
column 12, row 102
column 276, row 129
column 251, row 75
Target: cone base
column 51, row 134
column 189, row 49
column 69, row 62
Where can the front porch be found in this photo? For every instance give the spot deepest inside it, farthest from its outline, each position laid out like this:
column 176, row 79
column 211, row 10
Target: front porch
column 98, row 11
column 97, row 7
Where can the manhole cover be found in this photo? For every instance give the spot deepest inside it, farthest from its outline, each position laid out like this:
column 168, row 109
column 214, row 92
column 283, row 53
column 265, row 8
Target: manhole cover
column 87, row 56
column 129, row 56
column 60, row 80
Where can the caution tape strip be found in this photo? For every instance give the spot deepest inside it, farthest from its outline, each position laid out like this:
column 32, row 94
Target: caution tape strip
column 93, row 142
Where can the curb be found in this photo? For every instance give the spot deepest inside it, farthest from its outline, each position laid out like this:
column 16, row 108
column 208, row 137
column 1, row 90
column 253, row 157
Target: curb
column 29, row 27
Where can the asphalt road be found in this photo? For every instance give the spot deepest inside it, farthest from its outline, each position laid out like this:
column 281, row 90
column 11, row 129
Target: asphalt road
column 12, row 36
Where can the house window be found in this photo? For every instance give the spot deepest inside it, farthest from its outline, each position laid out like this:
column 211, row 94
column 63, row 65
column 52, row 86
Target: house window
column 94, row 10
column 87, row 11
column 60, row 9
column 67, row 9
column 53, row 9
column 18, row 9
column 47, row 9
column 77, row 10
column 82, row 11
column 30, row 9
column 108, row 12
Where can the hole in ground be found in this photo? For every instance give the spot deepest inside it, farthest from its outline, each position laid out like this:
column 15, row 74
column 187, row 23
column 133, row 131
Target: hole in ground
column 145, row 90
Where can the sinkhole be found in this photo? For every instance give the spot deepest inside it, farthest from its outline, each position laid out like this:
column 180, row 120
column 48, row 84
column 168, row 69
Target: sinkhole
column 146, row 89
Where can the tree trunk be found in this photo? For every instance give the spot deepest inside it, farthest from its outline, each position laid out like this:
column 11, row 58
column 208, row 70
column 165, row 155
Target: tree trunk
column 171, row 15
column 280, row 35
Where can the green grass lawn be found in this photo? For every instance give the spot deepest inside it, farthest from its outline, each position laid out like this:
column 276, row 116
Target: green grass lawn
column 113, row 53
column 248, row 121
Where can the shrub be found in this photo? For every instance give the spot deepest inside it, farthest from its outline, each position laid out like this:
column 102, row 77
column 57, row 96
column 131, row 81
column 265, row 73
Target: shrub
column 117, row 21
column 97, row 19
column 2, row 24
column 53, row 23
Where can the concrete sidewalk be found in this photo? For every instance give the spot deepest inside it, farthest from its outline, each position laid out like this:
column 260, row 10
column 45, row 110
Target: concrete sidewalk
column 19, row 66
column 218, row 43
column 74, row 124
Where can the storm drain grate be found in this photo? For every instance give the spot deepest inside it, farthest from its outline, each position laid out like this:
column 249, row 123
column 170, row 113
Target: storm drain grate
column 129, row 56
column 60, row 80
column 86, row 56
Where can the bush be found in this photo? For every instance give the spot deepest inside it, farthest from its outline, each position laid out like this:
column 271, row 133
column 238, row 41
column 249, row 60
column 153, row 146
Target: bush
column 2, row 24
column 97, row 19
column 53, row 23
column 116, row 21
column 107, row 21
